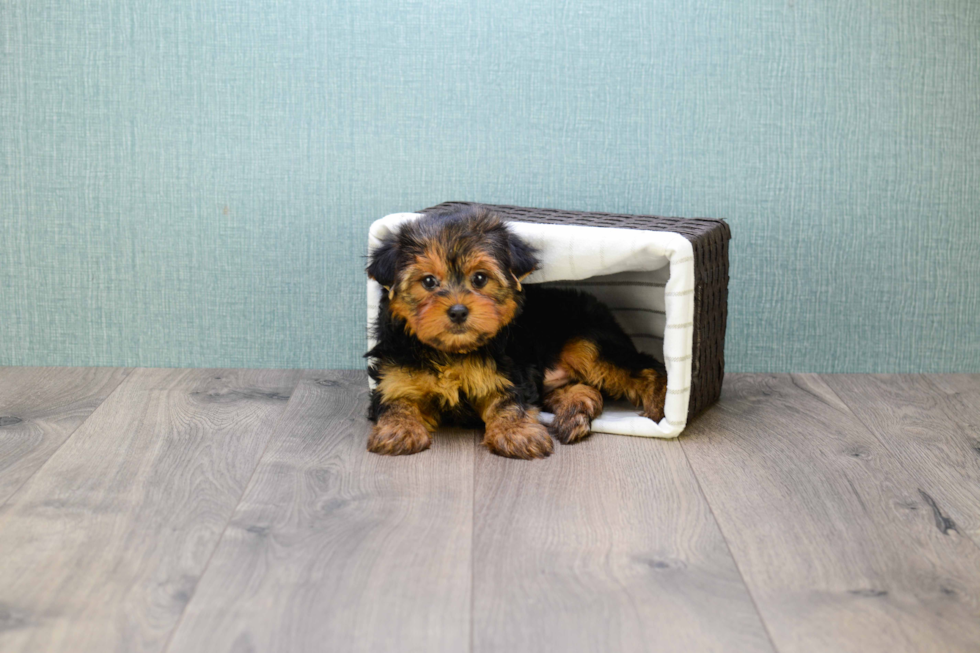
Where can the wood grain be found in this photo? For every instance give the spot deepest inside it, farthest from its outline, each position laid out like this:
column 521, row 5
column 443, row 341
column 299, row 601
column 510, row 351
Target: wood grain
column 606, row 546
column 846, row 502
column 39, row 408
column 839, row 545
column 336, row 549
column 102, row 547
column 931, row 423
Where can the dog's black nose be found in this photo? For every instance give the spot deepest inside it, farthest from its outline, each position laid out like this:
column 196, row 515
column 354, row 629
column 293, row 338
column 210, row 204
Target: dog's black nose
column 458, row 313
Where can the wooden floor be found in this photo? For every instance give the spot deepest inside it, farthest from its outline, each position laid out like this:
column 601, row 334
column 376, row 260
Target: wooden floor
column 237, row 510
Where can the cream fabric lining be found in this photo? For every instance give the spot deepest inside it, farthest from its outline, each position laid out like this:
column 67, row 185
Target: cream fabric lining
column 646, row 277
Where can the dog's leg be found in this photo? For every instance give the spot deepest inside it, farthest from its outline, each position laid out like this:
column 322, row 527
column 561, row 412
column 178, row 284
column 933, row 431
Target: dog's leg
column 402, row 428
column 514, row 431
column 574, row 407
column 642, row 384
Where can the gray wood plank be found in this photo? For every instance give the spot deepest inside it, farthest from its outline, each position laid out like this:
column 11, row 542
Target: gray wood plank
column 103, row 546
column 39, row 408
column 838, row 544
column 931, row 423
column 608, row 545
column 333, row 548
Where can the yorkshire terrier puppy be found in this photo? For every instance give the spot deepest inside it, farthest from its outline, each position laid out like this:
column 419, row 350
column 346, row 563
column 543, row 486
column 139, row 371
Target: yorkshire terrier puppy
column 460, row 340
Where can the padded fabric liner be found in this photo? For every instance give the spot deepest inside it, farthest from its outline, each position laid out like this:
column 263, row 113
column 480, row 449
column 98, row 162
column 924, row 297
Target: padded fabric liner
column 646, row 277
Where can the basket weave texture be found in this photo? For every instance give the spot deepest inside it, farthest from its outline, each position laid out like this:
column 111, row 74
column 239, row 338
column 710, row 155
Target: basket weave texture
column 709, row 240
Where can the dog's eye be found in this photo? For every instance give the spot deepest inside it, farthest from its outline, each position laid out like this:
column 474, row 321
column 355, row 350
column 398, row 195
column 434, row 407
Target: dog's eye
column 429, row 282
column 479, row 280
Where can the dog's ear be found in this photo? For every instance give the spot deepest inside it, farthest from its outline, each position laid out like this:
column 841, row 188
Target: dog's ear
column 522, row 259
column 384, row 263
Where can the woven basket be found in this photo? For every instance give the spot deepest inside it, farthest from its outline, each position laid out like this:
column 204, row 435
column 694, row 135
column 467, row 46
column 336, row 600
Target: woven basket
column 709, row 241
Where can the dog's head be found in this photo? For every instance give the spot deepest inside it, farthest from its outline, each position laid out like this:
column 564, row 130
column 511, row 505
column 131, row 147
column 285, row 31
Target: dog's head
column 454, row 278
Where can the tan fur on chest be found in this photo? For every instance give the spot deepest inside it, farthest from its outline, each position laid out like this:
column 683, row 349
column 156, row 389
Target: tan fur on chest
column 476, row 378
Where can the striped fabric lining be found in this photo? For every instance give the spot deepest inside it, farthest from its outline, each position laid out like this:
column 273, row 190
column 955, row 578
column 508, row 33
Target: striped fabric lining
column 639, row 284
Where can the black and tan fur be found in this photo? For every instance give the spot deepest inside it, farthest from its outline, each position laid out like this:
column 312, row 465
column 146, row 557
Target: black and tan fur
column 511, row 349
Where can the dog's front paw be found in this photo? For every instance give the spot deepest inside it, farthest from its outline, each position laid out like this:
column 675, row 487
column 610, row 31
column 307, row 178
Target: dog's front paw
column 574, row 407
column 399, row 437
column 654, row 394
column 521, row 437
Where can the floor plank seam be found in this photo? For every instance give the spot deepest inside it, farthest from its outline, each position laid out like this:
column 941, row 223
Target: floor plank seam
column 728, row 547
column 473, row 439
column 231, row 516
column 123, row 380
column 908, row 470
column 927, row 378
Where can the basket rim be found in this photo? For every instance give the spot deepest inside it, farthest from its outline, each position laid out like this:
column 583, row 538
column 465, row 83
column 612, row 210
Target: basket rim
column 610, row 214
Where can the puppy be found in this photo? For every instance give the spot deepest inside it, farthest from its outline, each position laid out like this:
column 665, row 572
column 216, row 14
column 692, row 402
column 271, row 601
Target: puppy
column 461, row 340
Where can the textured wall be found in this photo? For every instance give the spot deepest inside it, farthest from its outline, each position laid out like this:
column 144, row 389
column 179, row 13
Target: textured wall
column 190, row 182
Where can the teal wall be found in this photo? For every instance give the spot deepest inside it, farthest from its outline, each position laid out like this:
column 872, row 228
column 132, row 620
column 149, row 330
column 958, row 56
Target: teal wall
column 189, row 183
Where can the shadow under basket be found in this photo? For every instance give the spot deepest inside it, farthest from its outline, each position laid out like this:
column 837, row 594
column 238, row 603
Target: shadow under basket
column 665, row 279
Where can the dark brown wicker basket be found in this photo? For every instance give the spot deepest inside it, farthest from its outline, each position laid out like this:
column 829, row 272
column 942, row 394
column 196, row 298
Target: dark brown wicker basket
column 709, row 240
